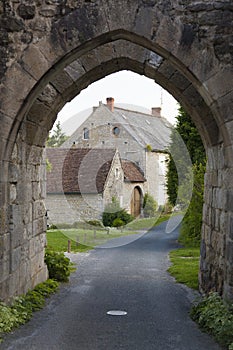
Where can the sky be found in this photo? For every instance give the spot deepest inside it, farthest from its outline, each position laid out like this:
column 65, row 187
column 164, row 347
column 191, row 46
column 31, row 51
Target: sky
column 126, row 88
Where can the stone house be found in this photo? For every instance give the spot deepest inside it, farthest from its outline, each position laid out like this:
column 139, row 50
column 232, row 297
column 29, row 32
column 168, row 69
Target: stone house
column 142, row 138
column 83, row 180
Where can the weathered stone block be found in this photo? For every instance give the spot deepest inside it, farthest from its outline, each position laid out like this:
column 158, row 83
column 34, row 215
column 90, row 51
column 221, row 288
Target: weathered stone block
column 26, row 11
column 34, row 62
column 39, row 226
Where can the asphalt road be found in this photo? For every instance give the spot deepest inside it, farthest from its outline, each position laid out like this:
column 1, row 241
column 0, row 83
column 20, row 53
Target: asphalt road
column 131, row 278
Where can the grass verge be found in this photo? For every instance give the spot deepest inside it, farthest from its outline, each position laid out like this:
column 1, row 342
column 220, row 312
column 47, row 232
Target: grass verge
column 185, row 266
column 211, row 312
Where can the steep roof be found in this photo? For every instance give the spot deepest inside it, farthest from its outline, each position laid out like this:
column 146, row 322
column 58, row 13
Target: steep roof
column 143, row 127
column 78, row 170
column 132, row 172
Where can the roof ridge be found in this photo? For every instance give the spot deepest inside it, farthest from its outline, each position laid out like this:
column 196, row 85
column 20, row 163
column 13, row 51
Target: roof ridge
column 132, row 110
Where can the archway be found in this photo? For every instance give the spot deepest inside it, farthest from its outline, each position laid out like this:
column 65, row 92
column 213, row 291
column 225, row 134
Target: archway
column 136, row 202
column 80, row 45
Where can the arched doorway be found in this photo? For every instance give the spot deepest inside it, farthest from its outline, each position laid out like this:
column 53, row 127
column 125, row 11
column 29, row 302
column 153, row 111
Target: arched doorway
column 136, row 202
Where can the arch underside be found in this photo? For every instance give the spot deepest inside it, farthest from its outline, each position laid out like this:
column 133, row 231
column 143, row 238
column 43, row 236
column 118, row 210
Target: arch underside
column 76, row 72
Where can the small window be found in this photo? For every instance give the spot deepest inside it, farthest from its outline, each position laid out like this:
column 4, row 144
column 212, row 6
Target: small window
column 116, row 131
column 117, row 173
column 85, row 134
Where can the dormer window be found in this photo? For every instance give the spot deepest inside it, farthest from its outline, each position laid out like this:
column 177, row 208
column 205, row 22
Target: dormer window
column 85, row 134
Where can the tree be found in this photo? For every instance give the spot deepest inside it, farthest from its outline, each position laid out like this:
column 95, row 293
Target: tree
column 192, row 221
column 185, row 129
column 57, row 137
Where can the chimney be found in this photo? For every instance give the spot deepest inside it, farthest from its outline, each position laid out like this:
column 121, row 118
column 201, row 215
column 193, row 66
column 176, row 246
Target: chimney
column 156, row 111
column 110, row 103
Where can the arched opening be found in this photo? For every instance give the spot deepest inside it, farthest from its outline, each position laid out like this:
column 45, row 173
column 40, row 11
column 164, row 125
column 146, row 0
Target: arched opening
column 136, row 202
column 74, row 70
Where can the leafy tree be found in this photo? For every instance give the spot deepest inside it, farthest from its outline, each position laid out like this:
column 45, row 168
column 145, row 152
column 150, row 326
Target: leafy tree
column 56, row 137
column 114, row 211
column 192, row 221
column 149, row 206
column 189, row 134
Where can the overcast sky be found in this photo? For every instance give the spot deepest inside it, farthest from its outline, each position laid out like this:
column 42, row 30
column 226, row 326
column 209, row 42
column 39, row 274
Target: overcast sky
column 126, row 88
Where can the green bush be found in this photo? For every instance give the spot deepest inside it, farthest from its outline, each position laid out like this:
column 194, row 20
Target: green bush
column 58, row 266
column 96, row 223
column 117, row 222
column 114, row 211
column 149, row 206
column 215, row 317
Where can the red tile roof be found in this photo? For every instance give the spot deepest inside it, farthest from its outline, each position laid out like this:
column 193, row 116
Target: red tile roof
column 78, row 170
column 132, row 172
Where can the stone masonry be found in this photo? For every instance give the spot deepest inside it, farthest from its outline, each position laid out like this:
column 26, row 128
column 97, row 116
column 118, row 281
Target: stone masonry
column 52, row 49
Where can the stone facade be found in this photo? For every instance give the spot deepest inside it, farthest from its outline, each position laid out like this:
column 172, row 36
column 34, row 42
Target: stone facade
column 82, row 182
column 50, row 51
column 130, row 133
column 71, row 208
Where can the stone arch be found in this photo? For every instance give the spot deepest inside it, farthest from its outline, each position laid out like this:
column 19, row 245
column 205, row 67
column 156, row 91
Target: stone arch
column 80, row 44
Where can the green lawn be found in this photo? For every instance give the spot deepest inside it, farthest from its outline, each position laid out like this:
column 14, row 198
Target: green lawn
column 89, row 238
column 147, row 223
column 185, row 266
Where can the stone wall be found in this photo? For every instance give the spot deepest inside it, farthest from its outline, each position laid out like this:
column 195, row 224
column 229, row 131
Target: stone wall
column 22, row 259
column 72, row 208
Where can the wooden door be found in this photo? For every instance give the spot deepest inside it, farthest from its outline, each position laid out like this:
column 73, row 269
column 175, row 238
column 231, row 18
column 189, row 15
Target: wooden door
column 136, row 203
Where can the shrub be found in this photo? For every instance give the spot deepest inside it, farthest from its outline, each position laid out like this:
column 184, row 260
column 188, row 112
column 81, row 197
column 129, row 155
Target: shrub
column 52, row 227
column 215, row 317
column 114, row 211
column 149, row 206
column 190, row 233
column 95, row 223
column 58, row 266
column 149, row 148
column 22, row 307
column 47, row 288
column 117, row 222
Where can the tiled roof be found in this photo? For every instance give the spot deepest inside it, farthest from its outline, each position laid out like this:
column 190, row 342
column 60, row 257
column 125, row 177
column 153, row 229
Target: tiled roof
column 132, row 172
column 145, row 128
column 78, row 170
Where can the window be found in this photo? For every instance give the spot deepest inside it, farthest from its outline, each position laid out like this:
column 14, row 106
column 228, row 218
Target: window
column 117, row 173
column 85, row 134
column 116, row 131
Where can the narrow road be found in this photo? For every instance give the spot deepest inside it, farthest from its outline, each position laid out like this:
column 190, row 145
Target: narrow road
column 131, row 278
